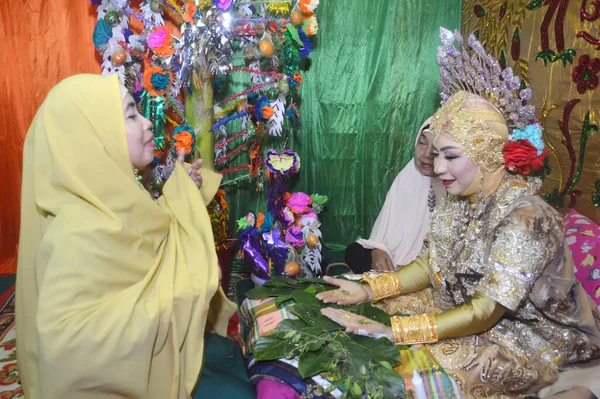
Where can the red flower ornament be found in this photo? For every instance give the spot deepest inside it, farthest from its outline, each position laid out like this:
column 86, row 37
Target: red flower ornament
column 585, row 75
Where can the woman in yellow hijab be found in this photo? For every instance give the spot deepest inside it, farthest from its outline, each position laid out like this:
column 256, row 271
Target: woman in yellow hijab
column 114, row 290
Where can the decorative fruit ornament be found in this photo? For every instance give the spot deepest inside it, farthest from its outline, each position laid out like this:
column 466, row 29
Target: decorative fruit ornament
column 112, row 18
column 291, row 268
column 312, row 240
column 118, row 58
column 155, row 6
column 283, row 86
column 296, row 18
column 265, row 46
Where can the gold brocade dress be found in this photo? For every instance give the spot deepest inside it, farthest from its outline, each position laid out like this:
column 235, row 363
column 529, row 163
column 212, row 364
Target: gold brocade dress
column 510, row 248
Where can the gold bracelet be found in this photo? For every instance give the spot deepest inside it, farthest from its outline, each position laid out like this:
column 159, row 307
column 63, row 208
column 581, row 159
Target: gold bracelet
column 384, row 286
column 414, row 329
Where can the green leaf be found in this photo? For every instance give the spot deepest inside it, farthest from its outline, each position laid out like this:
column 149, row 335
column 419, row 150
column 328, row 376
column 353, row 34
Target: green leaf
column 389, row 380
column 269, row 348
column 294, row 34
column 282, row 299
column 313, row 363
column 362, row 349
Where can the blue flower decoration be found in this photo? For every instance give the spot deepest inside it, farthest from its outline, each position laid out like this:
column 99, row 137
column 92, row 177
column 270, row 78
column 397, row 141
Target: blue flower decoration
column 267, row 224
column 307, row 45
column 533, row 133
column 160, row 81
column 262, row 102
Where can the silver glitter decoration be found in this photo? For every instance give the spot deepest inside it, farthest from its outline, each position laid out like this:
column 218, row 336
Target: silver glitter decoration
column 477, row 72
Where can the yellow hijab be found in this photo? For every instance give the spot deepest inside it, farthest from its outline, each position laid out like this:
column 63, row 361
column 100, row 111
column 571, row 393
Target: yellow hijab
column 114, row 290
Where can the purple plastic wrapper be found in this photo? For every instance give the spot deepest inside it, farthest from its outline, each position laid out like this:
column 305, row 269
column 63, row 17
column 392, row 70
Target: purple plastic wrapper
column 252, row 250
column 276, row 250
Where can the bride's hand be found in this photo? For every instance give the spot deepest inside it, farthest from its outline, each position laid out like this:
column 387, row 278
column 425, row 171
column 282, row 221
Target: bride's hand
column 349, row 293
column 357, row 324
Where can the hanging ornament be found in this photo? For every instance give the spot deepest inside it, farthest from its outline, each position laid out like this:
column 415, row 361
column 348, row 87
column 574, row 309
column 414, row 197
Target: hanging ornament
column 112, row 18
column 283, row 86
column 312, row 240
column 118, row 58
column 265, row 46
column 296, row 18
column 272, row 93
column 292, row 268
column 155, row 6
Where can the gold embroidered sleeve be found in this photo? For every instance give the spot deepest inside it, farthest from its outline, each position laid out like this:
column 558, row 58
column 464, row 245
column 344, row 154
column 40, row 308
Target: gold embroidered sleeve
column 517, row 257
column 410, row 330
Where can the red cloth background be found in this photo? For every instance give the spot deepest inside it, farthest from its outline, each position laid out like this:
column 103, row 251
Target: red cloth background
column 42, row 42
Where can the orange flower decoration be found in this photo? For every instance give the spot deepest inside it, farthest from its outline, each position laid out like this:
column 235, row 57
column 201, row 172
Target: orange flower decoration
column 190, row 11
column 278, row 26
column 156, row 80
column 184, row 140
column 267, row 111
column 261, row 220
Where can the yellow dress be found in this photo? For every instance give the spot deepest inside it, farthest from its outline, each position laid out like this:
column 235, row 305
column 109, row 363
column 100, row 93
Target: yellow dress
column 500, row 286
column 114, row 290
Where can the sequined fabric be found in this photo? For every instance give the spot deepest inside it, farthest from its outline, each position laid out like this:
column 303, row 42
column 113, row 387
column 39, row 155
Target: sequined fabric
column 509, row 247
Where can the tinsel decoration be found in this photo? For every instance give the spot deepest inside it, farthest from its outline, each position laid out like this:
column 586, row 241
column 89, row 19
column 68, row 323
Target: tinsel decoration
column 206, row 46
column 153, row 109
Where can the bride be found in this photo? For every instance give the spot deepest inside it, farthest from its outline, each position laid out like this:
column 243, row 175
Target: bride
column 493, row 297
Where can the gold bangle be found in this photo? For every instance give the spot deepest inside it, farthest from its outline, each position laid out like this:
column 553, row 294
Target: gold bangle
column 384, row 286
column 410, row 330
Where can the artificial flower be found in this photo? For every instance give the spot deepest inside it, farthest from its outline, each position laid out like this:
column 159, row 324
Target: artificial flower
column 531, row 132
column 312, row 26
column 262, row 109
column 288, row 216
column 585, row 75
column 278, row 26
column 222, row 5
column 190, row 12
column 295, row 237
column 519, row 155
column 308, row 5
column 299, row 202
column 184, row 139
column 159, row 40
column 156, row 80
column 307, row 45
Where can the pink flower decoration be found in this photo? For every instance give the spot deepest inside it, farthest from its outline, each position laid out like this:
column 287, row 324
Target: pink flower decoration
column 288, row 216
column 307, row 218
column 295, row 237
column 223, row 5
column 157, row 38
column 299, row 202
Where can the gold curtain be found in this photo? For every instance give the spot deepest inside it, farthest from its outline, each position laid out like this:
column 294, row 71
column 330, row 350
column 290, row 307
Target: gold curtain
column 551, row 45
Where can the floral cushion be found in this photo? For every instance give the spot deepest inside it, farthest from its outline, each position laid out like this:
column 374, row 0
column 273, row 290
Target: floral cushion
column 583, row 237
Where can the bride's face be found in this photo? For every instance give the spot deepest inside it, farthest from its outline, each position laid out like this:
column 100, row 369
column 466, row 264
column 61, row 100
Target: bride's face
column 452, row 165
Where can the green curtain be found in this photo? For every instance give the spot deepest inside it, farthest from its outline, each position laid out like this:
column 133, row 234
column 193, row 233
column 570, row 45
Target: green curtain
column 371, row 82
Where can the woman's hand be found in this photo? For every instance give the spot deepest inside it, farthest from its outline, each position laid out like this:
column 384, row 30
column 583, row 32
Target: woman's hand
column 381, row 261
column 349, row 293
column 357, row 324
column 194, row 169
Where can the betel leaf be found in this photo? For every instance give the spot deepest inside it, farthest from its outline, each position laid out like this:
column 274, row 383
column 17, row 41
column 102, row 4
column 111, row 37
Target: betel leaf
column 314, row 362
column 361, row 350
column 269, row 348
column 388, row 379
